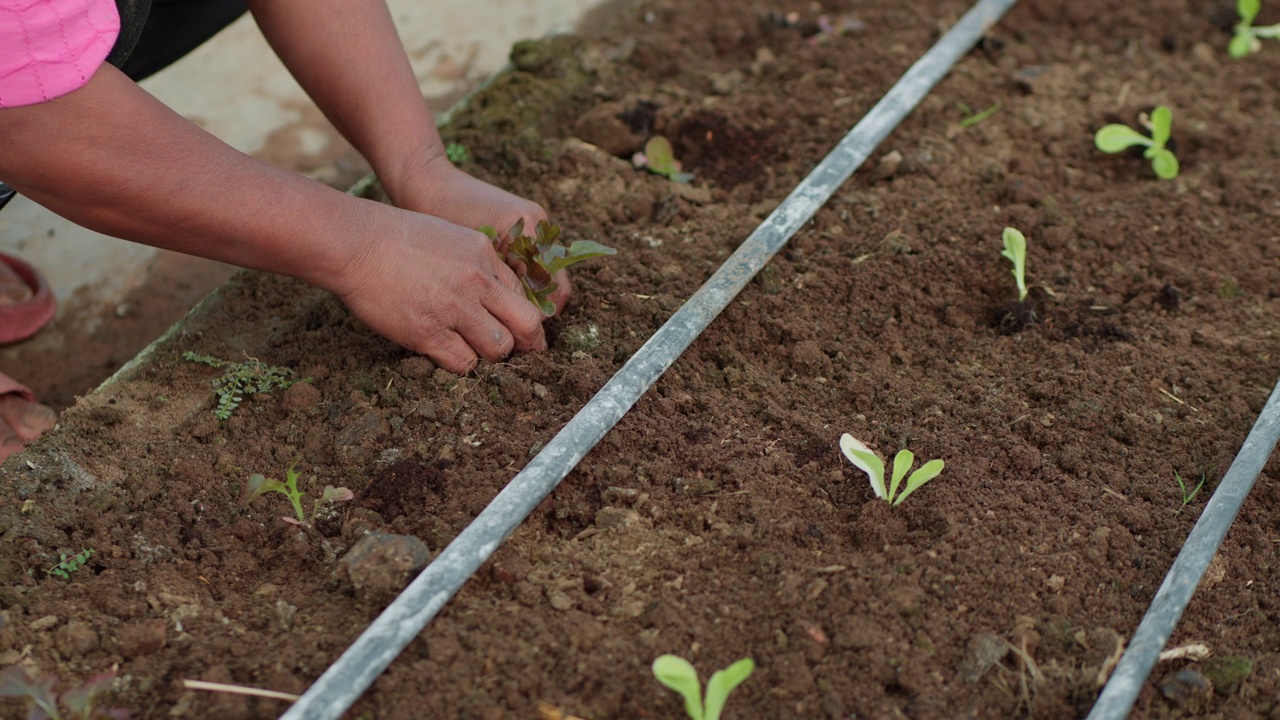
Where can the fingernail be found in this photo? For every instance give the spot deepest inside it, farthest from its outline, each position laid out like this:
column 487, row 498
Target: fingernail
column 38, row 418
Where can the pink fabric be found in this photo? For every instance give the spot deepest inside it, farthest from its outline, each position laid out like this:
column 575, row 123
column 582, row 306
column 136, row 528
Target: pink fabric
column 51, row 47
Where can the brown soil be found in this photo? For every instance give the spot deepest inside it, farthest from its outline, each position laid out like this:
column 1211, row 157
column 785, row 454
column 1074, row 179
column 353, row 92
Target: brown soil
column 719, row 520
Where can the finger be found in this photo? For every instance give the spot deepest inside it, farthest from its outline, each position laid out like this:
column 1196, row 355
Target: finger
column 451, row 352
column 507, row 302
column 487, row 336
column 560, row 298
column 27, row 420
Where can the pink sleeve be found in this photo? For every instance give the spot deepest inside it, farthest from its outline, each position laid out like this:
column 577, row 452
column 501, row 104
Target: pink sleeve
column 51, row 47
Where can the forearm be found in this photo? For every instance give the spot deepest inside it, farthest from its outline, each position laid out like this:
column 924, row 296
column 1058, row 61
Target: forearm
column 114, row 159
column 348, row 57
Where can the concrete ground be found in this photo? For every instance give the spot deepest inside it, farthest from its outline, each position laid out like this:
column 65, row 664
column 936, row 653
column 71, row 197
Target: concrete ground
column 116, row 296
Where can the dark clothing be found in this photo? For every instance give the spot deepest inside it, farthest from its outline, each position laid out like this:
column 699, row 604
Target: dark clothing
column 156, row 33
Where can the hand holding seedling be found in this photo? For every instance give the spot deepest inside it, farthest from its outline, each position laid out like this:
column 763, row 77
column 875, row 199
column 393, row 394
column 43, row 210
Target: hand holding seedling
column 539, row 259
column 867, row 461
column 677, row 674
column 1248, row 39
column 1116, row 138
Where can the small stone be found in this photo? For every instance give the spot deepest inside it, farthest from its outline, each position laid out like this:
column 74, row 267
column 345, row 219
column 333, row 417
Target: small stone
column 888, row 166
column 300, row 397
column 44, row 623
column 559, row 601
column 1056, row 582
column 380, row 565
column 604, row 127
column 581, row 337
column 1186, row 686
column 417, row 367
column 75, row 639
column 614, row 517
column 143, row 638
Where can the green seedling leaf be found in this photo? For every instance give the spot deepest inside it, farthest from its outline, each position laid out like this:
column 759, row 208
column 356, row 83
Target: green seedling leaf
column 1015, row 249
column 970, row 120
column 1248, row 10
column 1115, row 138
column 537, row 259
column 83, row 701
column 660, row 158
column 15, row 682
column 722, row 683
column 865, row 460
column 927, row 472
column 1163, row 162
column 676, row 673
column 1161, row 126
column 902, row 462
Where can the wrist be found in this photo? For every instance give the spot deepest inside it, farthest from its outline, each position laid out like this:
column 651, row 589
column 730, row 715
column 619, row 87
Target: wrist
column 414, row 173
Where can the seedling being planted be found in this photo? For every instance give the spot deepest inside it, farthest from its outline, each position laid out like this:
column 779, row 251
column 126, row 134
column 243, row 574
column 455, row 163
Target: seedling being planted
column 677, row 674
column 541, row 257
column 68, row 565
column 868, row 462
column 660, row 159
column 43, row 704
column 1114, row 138
column 242, row 378
column 259, row 484
column 1248, row 39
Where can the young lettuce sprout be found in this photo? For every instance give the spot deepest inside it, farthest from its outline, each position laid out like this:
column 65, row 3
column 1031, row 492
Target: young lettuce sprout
column 676, row 673
column 42, row 703
column 868, row 462
column 1247, row 39
column 1015, row 248
column 259, row 485
column 1114, row 138
column 660, row 158
column 542, row 257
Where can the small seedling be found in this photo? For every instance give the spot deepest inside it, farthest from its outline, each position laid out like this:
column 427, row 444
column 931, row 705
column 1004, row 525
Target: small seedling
column 1114, row 138
column 1248, row 39
column 70, row 564
column 676, row 673
column 457, row 153
column 242, row 378
column 660, row 159
column 42, row 703
column 1187, row 497
column 1015, row 248
column 542, row 257
column 867, row 461
column 971, row 118
column 259, row 484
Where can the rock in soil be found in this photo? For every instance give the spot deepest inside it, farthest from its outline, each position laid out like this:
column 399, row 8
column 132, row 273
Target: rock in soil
column 381, row 565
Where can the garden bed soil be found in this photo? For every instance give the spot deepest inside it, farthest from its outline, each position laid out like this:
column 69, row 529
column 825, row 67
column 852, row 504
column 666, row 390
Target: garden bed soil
column 719, row 520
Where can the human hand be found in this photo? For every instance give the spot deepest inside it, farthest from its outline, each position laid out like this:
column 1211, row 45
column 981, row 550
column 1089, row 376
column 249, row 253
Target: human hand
column 440, row 290
column 442, row 190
